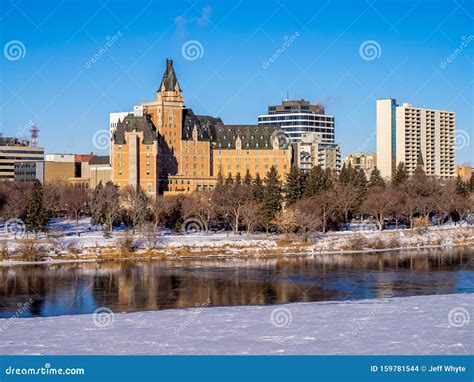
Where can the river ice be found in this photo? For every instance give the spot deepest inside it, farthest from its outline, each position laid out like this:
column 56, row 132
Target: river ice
column 438, row 324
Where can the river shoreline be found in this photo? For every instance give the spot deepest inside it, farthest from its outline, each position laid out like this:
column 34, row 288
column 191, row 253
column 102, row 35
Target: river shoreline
column 7, row 263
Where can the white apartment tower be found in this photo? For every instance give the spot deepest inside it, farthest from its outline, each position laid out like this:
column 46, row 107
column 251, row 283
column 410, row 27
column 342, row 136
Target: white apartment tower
column 415, row 136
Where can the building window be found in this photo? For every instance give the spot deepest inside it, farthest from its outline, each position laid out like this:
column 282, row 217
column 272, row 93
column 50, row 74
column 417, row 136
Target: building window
column 120, row 147
column 120, row 172
column 148, row 155
column 120, row 164
column 148, row 147
column 149, row 189
column 148, row 172
column 147, row 163
column 120, row 155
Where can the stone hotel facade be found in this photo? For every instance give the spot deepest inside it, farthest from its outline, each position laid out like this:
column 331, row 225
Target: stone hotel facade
column 163, row 147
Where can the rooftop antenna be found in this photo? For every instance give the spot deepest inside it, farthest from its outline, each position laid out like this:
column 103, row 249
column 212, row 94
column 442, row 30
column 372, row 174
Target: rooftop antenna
column 34, row 135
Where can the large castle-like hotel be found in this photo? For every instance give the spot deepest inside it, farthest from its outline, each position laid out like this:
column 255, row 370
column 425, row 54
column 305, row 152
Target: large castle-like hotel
column 163, row 147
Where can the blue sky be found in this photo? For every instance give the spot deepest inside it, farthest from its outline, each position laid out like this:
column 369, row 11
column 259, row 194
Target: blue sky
column 51, row 80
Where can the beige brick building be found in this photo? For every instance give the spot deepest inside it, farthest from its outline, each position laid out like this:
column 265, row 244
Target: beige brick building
column 164, row 147
column 415, row 136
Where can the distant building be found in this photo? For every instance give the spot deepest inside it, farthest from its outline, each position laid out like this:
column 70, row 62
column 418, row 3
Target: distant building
column 310, row 151
column 297, row 118
column 100, row 171
column 364, row 161
column 465, row 172
column 13, row 150
column 415, row 136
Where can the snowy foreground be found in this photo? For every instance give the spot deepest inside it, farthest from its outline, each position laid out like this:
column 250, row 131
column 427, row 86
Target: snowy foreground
column 411, row 325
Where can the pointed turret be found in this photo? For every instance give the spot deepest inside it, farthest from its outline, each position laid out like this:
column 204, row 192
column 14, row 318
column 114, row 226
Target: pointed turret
column 169, row 81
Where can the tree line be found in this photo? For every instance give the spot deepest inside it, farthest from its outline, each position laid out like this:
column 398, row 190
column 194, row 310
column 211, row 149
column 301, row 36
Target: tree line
column 320, row 201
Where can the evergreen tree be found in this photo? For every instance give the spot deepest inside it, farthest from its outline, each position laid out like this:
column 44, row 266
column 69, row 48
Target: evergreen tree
column 220, row 182
column 330, row 177
column 238, row 179
column 293, row 187
column 97, row 217
column 272, row 197
column 360, row 179
column 258, row 188
column 316, row 182
column 175, row 219
column 344, row 174
column 462, row 188
column 229, row 180
column 376, row 179
column 248, row 178
column 419, row 172
column 36, row 217
column 401, row 175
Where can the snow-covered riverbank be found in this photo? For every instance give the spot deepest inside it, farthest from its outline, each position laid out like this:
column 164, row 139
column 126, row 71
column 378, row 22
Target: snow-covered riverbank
column 438, row 324
column 92, row 246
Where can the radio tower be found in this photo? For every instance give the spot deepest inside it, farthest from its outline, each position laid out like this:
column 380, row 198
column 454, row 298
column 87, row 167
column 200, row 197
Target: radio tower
column 34, row 136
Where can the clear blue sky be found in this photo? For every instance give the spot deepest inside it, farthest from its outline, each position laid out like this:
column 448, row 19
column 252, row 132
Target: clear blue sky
column 53, row 83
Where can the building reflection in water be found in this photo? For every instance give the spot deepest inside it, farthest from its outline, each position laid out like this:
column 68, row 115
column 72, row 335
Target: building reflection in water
column 152, row 285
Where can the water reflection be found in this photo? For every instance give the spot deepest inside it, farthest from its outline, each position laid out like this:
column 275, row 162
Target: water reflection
column 153, row 285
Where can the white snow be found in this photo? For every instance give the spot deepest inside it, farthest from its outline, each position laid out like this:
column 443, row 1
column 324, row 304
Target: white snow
column 438, row 324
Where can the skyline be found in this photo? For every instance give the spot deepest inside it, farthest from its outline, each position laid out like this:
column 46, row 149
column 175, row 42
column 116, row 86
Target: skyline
column 55, row 83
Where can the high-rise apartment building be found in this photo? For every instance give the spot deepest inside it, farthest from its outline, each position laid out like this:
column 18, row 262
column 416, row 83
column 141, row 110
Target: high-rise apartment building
column 415, row 136
column 312, row 151
column 297, row 118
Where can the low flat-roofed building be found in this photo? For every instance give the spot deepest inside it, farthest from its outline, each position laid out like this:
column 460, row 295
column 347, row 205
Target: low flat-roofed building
column 100, row 170
column 13, row 150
